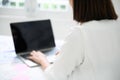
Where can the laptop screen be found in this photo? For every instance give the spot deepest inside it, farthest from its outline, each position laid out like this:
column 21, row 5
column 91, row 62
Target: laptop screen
column 32, row 35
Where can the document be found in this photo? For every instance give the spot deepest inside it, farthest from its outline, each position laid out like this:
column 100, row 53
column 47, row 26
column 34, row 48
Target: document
column 7, row 52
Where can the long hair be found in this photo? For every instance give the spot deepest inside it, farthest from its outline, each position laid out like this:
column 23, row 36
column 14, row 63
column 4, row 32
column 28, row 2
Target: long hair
column 87, row 10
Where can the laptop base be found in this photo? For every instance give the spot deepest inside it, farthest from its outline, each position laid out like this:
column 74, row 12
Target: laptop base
column 51, row 56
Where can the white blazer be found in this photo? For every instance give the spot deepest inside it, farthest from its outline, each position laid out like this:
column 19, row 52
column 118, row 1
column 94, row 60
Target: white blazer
column 90, row 52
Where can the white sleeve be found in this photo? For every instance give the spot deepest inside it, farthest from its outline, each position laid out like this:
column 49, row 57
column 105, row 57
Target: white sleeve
column 70, row 57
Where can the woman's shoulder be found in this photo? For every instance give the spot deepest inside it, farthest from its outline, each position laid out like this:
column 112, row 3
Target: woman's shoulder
column 100, row 24
column 78, row 28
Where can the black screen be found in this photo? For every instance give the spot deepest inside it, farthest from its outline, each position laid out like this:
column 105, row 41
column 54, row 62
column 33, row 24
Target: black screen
column 32, row 35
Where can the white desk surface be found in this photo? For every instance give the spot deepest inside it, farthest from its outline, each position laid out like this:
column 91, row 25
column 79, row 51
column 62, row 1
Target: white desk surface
column 11, row 68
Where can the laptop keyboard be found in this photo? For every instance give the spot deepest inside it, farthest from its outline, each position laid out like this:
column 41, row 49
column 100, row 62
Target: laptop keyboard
column 25, row 56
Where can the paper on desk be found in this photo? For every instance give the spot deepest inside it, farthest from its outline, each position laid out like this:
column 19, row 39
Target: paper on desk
column 7, row 52
column 21, row 77
column 6, row 44
column 7, row 57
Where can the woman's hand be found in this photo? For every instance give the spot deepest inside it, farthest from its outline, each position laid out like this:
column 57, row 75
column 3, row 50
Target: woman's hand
column 39, row 58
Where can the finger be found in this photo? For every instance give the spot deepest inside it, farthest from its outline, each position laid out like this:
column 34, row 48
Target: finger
column 39, row 52
column 57, row 53
column 30, row 57
column 33, row 52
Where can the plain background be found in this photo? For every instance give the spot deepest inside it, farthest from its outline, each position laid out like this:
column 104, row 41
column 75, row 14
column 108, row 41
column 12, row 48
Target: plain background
column 61, row 21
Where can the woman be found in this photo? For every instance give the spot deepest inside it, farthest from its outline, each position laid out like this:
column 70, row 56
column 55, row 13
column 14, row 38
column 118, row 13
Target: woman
column 92, row 49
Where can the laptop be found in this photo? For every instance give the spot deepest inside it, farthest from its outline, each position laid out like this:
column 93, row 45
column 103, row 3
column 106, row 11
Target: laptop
column 33, row 35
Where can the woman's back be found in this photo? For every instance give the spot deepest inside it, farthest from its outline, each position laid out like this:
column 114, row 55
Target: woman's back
column 102, row 46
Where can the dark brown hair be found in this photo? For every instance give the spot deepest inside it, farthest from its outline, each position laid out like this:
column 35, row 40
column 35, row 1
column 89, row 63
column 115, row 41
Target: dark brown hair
column 87, row 10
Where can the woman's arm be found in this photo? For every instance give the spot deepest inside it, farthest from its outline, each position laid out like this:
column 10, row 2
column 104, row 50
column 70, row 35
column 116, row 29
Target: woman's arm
column 71, row 55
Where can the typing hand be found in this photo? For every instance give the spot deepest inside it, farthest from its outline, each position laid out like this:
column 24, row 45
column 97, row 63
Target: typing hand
column 39, row 58
column 57, row 53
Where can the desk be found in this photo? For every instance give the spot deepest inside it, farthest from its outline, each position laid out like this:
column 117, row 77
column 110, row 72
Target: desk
column 11, row 67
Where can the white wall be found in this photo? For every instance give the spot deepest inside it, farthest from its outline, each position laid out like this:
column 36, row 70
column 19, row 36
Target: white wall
column 60, row 21
column 117, row 6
